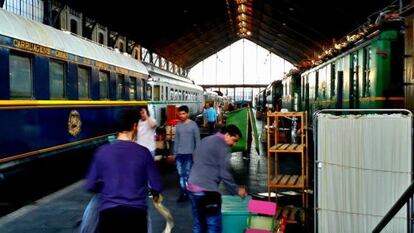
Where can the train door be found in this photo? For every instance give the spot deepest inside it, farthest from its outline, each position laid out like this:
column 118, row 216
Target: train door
column 340, row 89
column 305, row 85
column 333, row 86
column 354, row 81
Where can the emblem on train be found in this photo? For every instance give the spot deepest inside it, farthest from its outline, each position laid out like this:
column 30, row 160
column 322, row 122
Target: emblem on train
column 74, row 123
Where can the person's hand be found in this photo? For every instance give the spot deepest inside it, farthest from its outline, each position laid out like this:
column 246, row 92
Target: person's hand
column 242, row 191
column 156, row 198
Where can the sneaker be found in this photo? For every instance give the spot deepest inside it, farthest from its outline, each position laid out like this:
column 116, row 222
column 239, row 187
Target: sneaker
column 182, row 198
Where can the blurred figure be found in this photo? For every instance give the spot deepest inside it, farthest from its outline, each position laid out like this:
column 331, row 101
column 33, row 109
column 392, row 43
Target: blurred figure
column 146, row 131
column 121, row 172
column 187, row 137
column 211, row 163
column 211, row 118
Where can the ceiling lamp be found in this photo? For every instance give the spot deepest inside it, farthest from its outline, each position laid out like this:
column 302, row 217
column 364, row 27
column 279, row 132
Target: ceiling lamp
column 243, row 15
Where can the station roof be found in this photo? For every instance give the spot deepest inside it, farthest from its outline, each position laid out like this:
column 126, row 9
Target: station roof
column 188, row 31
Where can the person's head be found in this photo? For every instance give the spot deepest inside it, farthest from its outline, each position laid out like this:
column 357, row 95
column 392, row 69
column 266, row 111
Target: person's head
column 143, row 112
column 127, row 120
column 232, row 134
column 211, row 105
column 183, row 112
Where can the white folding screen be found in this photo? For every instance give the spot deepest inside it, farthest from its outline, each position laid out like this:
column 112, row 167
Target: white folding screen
column 363, row 165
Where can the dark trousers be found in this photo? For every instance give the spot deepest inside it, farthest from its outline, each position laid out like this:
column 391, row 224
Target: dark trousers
column 211, row 127
column 123, row 219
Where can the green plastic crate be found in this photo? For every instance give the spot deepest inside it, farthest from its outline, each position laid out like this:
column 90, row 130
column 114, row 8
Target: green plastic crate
column 235, row 213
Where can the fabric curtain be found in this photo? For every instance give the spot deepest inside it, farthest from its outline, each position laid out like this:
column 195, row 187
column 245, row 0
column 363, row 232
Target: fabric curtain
column 363, row 165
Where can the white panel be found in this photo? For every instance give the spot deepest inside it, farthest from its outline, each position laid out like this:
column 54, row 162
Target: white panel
column 364, row 165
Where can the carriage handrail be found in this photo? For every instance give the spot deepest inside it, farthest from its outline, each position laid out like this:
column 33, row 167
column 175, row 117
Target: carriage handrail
column 405, row 198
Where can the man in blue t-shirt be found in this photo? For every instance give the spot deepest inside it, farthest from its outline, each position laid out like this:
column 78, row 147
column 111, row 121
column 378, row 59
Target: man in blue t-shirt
column 211, row 118
column 121, row 172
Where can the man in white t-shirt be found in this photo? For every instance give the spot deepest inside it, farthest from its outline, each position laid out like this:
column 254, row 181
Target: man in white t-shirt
column 146, row 131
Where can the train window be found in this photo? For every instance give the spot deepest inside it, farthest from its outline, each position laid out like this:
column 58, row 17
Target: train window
column 103, row 85
column 84, row 76
column 132, row 88
column 156, row 94
column 149, row 92
column 57, row 79
column 366, row 72
column 333, row 80
column 21, row 77
column 316, row 85
column 139, row 89
column 162, row 93
column 143, row 89
column 120, row 87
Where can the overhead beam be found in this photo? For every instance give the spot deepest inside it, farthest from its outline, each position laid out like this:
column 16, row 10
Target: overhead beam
column 233, row 85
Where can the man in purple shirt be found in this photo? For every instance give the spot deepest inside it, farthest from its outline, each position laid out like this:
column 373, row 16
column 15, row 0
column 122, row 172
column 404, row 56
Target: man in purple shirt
column 121, row 173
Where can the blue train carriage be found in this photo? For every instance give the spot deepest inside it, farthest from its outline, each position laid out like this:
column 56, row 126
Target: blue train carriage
column 58, row 91
column 165, row 88
column 369, row 75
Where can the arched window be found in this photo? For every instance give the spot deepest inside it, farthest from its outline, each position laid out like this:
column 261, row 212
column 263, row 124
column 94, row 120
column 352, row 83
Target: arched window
column 101, row 38
column 74, row 26
column 121, row 47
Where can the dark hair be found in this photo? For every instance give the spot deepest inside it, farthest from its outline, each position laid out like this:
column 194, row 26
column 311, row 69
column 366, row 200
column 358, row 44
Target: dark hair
column 126, row 119
column 183, row 108
column 146, row 109
column 232, row 130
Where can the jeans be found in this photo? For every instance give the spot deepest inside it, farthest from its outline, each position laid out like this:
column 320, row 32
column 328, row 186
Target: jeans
column 203, row 223
column 184, row 163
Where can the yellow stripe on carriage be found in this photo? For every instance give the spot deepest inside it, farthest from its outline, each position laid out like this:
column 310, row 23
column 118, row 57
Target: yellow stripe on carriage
column 9, row 104
column 45, row 150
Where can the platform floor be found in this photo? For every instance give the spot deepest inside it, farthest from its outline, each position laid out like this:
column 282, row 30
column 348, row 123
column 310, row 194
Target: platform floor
column 61, row 211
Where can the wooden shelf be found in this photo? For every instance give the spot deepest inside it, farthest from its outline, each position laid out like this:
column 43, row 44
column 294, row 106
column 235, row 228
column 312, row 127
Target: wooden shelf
column 282, row 130
column 282, row 147
column 287, row 181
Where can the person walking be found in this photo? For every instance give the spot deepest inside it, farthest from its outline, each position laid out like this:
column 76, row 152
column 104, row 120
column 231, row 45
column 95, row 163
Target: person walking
column 121, row 173
column 187, row 137
column 211, row 163
column 146, row 131
column 211, row 118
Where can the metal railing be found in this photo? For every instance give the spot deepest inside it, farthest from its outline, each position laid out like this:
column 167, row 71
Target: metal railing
column 404, row 199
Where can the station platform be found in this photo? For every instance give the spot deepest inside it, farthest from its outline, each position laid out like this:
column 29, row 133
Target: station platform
column 61, row 211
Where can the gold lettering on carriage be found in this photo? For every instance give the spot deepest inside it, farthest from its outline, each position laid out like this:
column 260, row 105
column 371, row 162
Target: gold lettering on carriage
column 32, row 47
column 61, row 54
column 101, row 65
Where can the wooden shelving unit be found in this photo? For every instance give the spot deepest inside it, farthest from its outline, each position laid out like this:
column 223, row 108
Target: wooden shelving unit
column 286, row 136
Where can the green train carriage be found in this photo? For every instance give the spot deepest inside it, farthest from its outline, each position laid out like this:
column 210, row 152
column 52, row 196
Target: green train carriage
column 369, row 75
